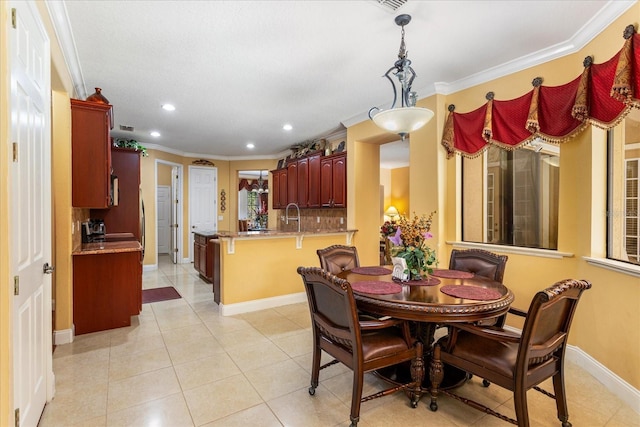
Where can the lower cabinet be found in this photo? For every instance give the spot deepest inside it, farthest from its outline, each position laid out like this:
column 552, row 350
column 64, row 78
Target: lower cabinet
column 107, row 290
column 203, row 255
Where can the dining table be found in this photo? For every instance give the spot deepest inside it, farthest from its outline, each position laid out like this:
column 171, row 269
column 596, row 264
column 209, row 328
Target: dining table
column 445, row 296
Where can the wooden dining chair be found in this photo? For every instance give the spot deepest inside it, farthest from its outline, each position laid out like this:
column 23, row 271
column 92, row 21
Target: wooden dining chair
column 480, row 262
column 517, row 362
column 338, row 258
column 362, row 346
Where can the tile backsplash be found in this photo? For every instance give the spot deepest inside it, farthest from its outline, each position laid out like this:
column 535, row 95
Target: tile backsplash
column 314, row 219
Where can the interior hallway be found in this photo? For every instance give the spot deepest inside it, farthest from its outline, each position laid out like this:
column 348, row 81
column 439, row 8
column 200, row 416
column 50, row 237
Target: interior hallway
column 182, row 364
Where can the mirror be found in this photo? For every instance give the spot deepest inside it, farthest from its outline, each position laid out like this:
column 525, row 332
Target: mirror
column 253, row 193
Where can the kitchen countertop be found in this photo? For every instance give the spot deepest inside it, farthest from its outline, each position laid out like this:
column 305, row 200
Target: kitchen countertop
column 278, row 233
column 108, row 247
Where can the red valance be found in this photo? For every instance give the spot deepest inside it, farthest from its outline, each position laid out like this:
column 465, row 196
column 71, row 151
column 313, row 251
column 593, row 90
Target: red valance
column 603, row 95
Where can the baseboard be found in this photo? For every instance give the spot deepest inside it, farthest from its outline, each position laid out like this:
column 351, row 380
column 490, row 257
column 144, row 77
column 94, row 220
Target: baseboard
column 262, row 304
column 616, row 385
column 150, row 267
column 63, row 336
column 625, row 391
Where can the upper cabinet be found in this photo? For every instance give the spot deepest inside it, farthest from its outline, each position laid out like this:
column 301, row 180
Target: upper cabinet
column 279, row 188
column 312, row 182
column 90, row 154
column 333, row 178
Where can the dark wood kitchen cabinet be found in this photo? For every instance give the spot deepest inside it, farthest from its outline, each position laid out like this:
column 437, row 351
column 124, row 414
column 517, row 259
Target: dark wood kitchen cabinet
column 107, row 287
column 333, row 181
column 308, row 182
column 203, row 254
column 90, row 154
column 292, row 183
column 279, row 189
column 126, row 216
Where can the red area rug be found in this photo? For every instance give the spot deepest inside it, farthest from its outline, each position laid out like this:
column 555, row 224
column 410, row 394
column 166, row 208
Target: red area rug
column 470, row 292
column 159, row 294
column 375, row 287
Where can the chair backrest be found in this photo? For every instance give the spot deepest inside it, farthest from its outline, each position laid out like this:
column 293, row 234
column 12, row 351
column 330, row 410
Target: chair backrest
column 337, row 258
column 243, row 225
column 545, row 331
column 480, row 262
column 332, row 306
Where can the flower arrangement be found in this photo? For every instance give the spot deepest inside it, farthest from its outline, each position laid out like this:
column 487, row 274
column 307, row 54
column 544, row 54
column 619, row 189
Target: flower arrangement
column 409, row 242
column 388, row 228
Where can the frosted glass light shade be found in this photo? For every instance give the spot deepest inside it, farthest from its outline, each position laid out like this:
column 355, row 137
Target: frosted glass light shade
column 403, row 120
column 391, row 211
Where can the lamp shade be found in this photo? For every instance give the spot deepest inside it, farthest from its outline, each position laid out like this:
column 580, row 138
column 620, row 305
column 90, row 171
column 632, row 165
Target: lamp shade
column 391, row 212
column 403, row 120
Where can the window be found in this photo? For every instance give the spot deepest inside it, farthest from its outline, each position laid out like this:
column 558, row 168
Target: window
column 511, row 198
column 623, row 242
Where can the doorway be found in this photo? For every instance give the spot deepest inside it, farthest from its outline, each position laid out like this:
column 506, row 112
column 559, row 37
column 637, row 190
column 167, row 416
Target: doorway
column 203, row 201
column 168, row 179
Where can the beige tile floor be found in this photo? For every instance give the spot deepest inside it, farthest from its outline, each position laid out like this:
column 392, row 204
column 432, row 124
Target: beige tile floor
column 182, row 364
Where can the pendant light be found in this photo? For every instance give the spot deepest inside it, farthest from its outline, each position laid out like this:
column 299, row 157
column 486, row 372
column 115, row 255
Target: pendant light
column 406, row 118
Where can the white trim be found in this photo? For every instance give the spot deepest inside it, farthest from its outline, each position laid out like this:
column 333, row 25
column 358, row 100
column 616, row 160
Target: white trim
column 625, row 391
column 150, row 267
column 613, row 265
column 262, row 304
column 63, row 336
column 544, row 253
column 64, row 33
column 215, row 157
column 181, row 196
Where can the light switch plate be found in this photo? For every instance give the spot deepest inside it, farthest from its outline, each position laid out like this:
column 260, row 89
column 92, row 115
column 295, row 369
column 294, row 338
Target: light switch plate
column 220, row 217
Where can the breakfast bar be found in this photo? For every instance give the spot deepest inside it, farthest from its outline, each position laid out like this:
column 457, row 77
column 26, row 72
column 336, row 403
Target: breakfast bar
column 258, row 268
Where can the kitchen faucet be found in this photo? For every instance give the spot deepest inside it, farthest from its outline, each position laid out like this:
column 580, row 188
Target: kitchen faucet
column 296, row 218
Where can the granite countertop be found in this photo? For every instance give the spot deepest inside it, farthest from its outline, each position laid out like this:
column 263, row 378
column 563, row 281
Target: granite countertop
column 108, row 247
column 276, row 233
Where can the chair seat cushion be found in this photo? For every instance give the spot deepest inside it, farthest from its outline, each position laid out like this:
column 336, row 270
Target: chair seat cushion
column 499, row 357
column 381, row 343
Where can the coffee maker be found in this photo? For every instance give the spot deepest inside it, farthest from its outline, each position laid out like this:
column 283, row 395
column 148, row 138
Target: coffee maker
column 93, row 231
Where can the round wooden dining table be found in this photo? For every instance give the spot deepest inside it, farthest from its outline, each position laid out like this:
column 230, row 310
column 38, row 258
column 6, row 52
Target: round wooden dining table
column 428, row 306
column 425, row 302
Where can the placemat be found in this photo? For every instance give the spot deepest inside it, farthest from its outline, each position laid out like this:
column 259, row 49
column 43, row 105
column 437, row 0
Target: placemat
column 375, row 287
column 452, row 274
column 470, row 292
column 372, row 271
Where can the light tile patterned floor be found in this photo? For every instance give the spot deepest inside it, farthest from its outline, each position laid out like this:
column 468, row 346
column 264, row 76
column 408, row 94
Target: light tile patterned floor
column 182, row 364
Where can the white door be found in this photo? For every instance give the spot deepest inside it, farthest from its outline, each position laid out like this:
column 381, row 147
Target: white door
column 203, row 200
column 31, row 214
column 164, row 218
column 175, row 197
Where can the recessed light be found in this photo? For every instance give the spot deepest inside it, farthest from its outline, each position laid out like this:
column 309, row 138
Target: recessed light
column 168, row 107
column 287, row 127
column 251, row 146
column 155, row 133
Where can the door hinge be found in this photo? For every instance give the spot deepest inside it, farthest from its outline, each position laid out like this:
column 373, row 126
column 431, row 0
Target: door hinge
column 13, row 18
column 175, row 250
column 15, row 152
column 17, row 417
column 16, row 285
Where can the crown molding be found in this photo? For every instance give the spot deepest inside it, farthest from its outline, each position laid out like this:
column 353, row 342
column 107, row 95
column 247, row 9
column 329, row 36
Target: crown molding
column 62, row 28
column 181, row 153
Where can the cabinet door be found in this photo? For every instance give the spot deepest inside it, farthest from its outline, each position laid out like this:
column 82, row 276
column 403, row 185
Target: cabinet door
column 339, row 182
column 303, row 183
column 197, row 248
column 326, row 182
column 292, row 183
column 90, row 154
column 279, row 188
column 313, row 181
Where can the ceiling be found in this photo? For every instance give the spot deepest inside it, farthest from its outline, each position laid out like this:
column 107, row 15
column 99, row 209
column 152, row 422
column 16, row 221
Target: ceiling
column 237, row 71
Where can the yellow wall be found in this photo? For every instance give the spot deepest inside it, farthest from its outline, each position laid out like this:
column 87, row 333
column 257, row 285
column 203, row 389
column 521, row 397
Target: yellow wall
column 400, row 190
column 164, row 174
